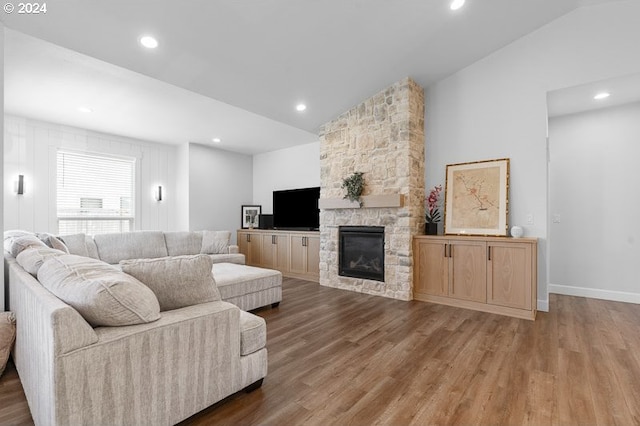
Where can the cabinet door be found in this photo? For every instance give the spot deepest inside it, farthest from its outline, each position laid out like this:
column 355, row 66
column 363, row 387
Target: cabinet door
column 312, row 246
column 509, row 275
column 298, row 255
column 468, row 270
column 281, row 257
column 250, row 244
column 267, row 251
column 243, row 244
column 431, row 272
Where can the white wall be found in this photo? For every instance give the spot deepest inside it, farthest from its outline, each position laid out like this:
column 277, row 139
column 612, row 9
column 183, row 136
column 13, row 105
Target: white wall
column 30, row 149
column 593, row 180
column 497, row 107
column 290, row 168
column 219, row 184
column 182, row 187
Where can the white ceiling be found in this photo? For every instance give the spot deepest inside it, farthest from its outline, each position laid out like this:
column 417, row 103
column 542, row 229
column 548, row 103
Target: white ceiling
column 572, row 100
column 222, row 67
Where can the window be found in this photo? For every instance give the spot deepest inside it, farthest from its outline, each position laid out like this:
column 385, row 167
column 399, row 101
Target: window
column 95, row 193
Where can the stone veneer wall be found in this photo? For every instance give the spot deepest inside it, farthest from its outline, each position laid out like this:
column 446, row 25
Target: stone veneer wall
column 383, row 137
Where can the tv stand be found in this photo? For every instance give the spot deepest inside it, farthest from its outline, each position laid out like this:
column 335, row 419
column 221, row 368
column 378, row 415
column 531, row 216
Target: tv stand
column 295, row 253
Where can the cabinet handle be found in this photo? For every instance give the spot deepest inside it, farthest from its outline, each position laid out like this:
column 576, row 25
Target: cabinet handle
column 273, row 237
column 489, row 254
column 304, row 241
column 445, row 250
column 248, row 238
column 450, row 250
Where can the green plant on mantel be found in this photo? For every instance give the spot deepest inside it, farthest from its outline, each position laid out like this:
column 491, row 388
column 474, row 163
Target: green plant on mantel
column 354, row 185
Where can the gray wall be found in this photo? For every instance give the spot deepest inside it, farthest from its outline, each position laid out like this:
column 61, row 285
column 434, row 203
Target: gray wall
column 290, row 168
column 220, row 182
column 593, row 179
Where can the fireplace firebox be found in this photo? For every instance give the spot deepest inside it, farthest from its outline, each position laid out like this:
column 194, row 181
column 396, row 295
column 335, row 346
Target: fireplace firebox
column 361, row 252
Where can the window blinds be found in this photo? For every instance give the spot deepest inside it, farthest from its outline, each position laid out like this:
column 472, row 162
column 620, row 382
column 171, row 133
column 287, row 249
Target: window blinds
column 95, row 193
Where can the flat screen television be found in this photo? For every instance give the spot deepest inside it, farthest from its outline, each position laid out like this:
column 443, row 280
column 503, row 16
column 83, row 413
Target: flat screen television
column 296, row 209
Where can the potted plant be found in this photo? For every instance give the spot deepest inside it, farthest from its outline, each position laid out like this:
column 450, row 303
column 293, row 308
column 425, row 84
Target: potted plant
column 433, row 214
column 354, row 185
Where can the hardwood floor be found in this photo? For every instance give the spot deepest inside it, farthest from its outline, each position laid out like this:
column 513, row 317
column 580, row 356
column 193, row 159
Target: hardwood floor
column 337, row 357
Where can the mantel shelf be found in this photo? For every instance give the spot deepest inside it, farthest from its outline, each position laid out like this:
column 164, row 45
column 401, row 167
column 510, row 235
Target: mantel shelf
column 368, row 202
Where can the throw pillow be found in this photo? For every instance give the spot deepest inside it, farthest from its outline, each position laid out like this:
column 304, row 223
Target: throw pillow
column 11, row 235
column 57, row 244
column 21, row 243
column 102, row 294
column 33, row 258
column 52, row 241
column 215, row 242
column 176, row 281
column 7, row 337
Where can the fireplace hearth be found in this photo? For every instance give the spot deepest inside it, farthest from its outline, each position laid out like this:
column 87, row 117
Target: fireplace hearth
column 361, row 252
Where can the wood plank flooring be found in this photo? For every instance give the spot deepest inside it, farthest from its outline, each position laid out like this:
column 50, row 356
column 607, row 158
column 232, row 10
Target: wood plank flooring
column 337, row 357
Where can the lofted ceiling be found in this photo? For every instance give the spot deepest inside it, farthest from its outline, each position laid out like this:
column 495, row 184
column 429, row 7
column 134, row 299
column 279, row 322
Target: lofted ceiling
column 236, row 69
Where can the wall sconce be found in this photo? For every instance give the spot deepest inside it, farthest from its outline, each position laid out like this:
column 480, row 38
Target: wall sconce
column 20, row 189
column 159, row 193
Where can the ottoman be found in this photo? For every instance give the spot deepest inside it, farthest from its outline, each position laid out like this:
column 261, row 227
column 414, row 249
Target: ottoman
column 248, row 287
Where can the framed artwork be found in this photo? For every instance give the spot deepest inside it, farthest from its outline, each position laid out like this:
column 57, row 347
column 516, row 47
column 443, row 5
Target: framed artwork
column 476, row 198
column 249, row 216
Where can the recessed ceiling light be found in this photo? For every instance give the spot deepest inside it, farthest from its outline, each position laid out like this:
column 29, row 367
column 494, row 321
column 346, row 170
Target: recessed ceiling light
column 216, row 140
column 602, row 95
column 456, row 4
column 149, row 42
column 301, row 107
column 86, row 110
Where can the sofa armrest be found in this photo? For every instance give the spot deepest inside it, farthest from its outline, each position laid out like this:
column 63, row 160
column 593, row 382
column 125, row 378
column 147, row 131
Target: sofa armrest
column 42, row 314
column 234, row 249
column 46, row 327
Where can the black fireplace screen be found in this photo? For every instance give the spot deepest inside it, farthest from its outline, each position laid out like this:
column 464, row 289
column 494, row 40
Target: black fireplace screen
column 361, row 252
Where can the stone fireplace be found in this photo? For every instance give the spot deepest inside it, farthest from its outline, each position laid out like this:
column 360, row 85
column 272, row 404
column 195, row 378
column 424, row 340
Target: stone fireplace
column 383, row 137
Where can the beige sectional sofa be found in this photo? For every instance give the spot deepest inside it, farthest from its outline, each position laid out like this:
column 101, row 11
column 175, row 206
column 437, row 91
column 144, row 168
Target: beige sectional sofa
column 159, row 371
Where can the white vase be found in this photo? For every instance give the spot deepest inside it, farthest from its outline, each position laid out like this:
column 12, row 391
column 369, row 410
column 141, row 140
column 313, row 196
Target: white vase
column 517, row 231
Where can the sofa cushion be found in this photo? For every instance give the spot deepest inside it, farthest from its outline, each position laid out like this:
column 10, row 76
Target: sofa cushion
column 33, row 258
column 112, row 248
column 215, row 242
column 253, row 333
column 237, row 280
column 7, row 337
column 76, row 244
column 102, row 294
column 183, row 243
column 176, row 281
column 22, row 243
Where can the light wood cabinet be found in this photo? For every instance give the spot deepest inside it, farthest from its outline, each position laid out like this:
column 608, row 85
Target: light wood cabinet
column 275, row 252
column 305, row 255
column 250, row 244
column 468, row 270
column 295, row 254
column 490, row 274
column 509, row 266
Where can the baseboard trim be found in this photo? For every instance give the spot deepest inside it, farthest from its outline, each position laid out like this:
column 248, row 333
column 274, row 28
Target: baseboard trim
column 595, row 293
column 543, row 305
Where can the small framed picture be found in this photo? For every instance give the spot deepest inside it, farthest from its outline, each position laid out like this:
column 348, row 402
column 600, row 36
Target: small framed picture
column 476, row 198
column 249, row 216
